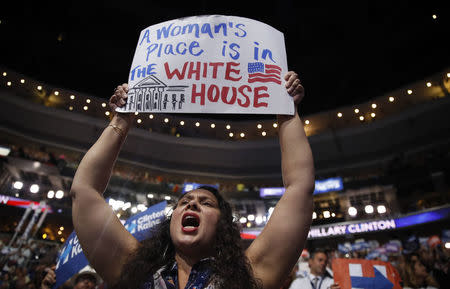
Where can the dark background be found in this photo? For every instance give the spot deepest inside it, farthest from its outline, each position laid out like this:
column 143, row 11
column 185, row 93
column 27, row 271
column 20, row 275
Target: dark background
column 345, row 53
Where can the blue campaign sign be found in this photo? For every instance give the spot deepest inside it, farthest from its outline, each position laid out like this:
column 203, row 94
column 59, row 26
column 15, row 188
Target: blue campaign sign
column 192, row 186
column 377, row 282
column 72, row 259
column 141, row 225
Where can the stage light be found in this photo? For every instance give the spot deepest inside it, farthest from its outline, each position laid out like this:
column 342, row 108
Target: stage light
column 381, row 209
column 306, row 121
column 34, row 188
column 59, row 194
column 259, row 126
column 339, row 114
column 243, row 220
column 356, row 110
column 391, row 99
column 56, row 93
column 242, row 134
column 51, row 194
column 197, row 124
column 88, row 100
column 182, row 122
column 72, row 97
column 213, row 125
column 368, row 209
column 258, row 220
column 166, row 120
column 352, row 211
column 326, row 214
column 18, row 185
column 275, row 125
column 228, row 126
column 251, row 217
column 263, row 133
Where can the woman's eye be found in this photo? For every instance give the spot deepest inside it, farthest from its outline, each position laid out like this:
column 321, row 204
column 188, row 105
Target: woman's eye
column 207, row 204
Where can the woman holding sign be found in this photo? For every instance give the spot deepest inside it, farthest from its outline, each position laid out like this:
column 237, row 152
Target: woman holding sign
column 198, row 245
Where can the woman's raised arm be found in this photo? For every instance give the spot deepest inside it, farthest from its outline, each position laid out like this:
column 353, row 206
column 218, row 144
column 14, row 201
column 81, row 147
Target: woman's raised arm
column 276, row 250
column 105, row 241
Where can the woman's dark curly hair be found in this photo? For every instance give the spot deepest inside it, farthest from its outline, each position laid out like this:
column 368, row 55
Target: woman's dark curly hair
column 230, row 266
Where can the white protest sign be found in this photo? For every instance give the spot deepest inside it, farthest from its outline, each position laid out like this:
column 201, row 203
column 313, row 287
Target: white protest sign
column 209, row 64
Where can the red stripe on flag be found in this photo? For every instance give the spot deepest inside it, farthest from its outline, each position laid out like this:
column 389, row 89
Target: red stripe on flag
column 273, row 71
column 271, row 66
column 248, row 236
column 263, row 75
column 259, row 79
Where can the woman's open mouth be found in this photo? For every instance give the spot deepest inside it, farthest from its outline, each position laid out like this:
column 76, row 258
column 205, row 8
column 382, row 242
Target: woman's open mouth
column 190, row 222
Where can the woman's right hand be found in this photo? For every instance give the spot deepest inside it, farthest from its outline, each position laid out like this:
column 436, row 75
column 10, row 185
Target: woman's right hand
column 119, row 99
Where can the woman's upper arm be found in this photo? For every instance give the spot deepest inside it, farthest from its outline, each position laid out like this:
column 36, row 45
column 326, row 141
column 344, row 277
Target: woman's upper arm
column 104, row 240
column 275, row 251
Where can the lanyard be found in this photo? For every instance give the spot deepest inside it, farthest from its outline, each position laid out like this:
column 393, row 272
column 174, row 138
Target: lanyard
column 320, row 283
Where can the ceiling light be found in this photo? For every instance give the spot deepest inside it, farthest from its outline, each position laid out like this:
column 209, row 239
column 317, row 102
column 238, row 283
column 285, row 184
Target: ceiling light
column 18, row 185
column 56, row 92
column 34, row 188
column 139, row 120
column 39, row 87
column 263, row 133
column 352, row 211
column 8, row 83
column 107, row 113
column 213, row 125
column 275, row 125
column 368, row 209
column 59, row 194
column 374, row 105
column 231, row 134
column 428, row 84
column 381, row 209
column 228, row 126
column 361, row 118
column 88, row 100
column 22, row 80
column 166, row 120
column 150, row 116
column 182, row 122
column 339, row 114
column 391, row 98
column 373, row 114
column 85, row 107
column 242, row 134
column 197, row 124
column 5, row 74
column 259, row 126
column 356, row 110
column 72, row 96
column 103, row 104
column 409, row 91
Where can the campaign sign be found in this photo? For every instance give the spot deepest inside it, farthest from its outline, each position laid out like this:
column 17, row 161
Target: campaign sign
column 367, row 274
column 72, row 259
column 209, row 64
column 141, row 225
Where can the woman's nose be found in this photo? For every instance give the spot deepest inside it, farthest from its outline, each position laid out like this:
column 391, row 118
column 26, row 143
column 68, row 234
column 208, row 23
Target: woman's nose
column 192, row 204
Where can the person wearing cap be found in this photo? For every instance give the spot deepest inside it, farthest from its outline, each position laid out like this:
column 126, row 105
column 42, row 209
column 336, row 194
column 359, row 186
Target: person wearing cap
column 84, row 280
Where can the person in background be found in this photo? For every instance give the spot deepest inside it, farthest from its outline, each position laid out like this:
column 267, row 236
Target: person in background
column 84, row 280
column 416, row 276
column 318, row 277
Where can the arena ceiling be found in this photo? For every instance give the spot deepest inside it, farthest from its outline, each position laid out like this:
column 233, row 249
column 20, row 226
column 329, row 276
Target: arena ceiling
column 345, row 53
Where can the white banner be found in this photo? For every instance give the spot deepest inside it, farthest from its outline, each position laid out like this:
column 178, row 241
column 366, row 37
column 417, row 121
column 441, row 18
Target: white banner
column 209, row 64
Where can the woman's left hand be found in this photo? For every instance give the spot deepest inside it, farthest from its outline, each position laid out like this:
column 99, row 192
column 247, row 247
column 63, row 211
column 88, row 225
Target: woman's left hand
column 294, row 87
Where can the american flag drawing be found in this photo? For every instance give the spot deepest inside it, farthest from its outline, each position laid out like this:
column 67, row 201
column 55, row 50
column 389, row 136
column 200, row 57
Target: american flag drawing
column 260, row 72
